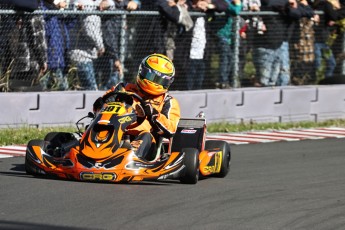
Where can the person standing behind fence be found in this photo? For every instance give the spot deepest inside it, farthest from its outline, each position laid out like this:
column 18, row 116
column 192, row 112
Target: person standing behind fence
column 196, row 62
column 248, row 27
column 86, row 44
column 109, row 67
column 322, row 31
column 174, row 19
column 327, row 46
column 225, row 36
column 25, row 50
column 271, row 53
column 57, row 39
column 336, row 40
column 196, row 73
column 302, row 47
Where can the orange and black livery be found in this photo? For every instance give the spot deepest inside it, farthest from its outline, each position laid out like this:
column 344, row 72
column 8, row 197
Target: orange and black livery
column 103, row 151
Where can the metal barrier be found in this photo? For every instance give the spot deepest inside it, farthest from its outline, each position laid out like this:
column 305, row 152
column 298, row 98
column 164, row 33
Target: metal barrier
column 278, row 104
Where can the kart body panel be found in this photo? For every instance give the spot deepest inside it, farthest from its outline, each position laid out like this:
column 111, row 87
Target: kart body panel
column 122, row 166
column 102, row 152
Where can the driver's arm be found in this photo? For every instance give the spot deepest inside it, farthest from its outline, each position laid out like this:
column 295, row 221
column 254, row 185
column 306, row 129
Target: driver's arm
column 165, row 122
column 168, row 119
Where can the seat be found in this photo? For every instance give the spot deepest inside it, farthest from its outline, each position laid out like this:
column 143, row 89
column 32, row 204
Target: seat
column 190, row 133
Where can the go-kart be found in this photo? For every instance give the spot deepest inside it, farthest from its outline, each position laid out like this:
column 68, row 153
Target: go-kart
column 103, row 152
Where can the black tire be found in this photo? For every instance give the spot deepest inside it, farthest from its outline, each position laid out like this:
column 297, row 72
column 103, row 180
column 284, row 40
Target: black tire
column 190, row 174
column 59, row 143
column 225, row 148
column 30, row 167
column 59, row 138
column 51, row 136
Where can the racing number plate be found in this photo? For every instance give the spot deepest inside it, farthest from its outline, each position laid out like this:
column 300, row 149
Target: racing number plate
column 114, row 108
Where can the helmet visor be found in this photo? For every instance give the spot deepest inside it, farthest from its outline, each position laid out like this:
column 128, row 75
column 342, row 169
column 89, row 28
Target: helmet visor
column 156, row 77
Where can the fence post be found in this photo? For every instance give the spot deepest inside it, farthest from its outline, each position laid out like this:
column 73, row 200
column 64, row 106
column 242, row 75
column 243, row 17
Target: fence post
column 123, row 43
column 236, row 83
column 343, row 51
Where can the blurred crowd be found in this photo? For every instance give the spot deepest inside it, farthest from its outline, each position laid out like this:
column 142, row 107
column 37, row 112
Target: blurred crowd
column 299, row 44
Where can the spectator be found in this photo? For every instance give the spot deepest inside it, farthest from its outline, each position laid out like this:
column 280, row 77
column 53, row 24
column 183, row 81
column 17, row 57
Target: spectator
column 302, row 48
column 157, row 30
column 225, row 41
column 328, row 46
column 249, row 26
column 57, row 39
column 109, row 67
column 174, row 18
column 196, row 65
column 26, row 50
column 271, row 54
column 86, row 44
column 196, row 62
column 322, row 51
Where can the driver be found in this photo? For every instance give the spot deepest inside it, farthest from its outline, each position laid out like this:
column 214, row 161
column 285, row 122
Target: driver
column 160, row 110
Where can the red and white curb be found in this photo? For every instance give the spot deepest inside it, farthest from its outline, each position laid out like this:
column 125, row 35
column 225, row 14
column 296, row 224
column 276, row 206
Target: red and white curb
column 234, row 138
column 12, row 151
column 274, row 136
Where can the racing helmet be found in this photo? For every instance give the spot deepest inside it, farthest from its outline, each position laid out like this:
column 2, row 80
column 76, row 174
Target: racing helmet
column 155, row 75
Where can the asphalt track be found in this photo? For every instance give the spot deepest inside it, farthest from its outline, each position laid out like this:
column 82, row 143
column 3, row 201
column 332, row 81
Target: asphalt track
column 280, row 185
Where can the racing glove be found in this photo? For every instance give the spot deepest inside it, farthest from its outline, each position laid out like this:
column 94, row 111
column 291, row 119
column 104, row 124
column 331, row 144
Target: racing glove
column 145, row 109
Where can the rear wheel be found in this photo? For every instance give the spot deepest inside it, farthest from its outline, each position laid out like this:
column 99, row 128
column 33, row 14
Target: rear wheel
column 226, row 156
column 190, row 174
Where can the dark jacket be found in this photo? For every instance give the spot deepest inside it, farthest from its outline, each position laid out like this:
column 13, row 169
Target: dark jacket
column 23, row 5
column 322, row 29
column 168, row 18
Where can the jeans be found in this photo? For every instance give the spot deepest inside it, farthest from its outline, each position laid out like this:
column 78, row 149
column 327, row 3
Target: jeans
column 284, row 60
column 273, row 65
column 225, row 62
column 106, row 73
column 330, row 60
column 54, row 80
column 86, row 76
column 196, row 74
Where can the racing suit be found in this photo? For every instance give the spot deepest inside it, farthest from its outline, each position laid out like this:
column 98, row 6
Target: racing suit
column 160, row 122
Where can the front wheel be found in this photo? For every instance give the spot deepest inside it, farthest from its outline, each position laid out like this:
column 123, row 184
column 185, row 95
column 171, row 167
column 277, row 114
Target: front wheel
column 30, row 166
column 190, row 174
column 58, row 143
column 226, row 155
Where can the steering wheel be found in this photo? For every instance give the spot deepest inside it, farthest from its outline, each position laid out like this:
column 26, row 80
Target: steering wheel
column 127, row 97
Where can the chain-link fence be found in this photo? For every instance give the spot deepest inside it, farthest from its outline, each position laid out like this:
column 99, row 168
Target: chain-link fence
column 79, row 50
